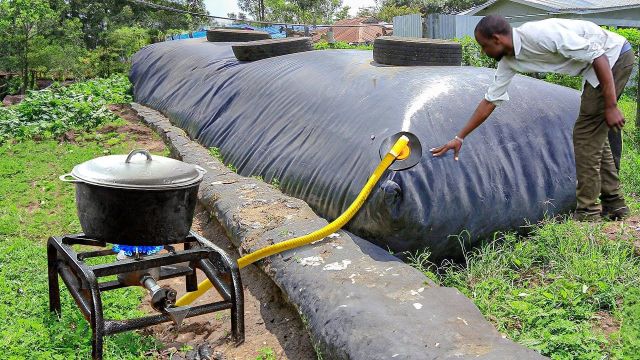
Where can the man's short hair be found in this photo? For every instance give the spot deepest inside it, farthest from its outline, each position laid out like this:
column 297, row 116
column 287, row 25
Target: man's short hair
column 493, row 24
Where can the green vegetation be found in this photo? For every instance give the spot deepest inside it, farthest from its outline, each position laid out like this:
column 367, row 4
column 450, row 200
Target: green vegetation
column 472, row 54
column 554, row 289
column 266, row 353
column 60, row 40
column 34, row 205
column 323, row 45
column 275, row 182
column 215, row 152
column 52, row 112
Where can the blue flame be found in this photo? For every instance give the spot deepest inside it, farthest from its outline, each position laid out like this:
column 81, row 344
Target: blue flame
column 130, row 250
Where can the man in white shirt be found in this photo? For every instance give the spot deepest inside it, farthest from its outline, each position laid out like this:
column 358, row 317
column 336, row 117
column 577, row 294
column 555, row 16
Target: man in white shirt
column 573, row 47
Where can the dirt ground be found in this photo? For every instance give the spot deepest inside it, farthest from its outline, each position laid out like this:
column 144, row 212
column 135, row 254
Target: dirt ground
column 628, row 230
column 272, row 326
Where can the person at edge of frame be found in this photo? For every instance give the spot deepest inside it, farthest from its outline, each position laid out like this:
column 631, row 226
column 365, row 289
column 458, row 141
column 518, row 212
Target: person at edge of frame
column 572, row 47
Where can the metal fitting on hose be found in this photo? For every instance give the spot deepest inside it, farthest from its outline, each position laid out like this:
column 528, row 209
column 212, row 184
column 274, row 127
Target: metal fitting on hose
column 161, row 297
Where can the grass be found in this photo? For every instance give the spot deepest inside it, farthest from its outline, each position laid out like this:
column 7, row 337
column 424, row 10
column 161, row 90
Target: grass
column 34, row 205
column 266, row 353
column 553, row 289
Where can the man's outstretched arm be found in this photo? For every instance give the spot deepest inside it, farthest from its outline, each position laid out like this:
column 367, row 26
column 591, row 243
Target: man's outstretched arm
column 482, row 112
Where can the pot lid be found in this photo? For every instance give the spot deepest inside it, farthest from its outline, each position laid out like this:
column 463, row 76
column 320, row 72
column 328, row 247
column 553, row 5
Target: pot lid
column 138, row 170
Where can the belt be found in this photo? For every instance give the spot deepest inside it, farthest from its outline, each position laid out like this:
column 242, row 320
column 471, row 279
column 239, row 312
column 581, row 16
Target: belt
column 626, row 47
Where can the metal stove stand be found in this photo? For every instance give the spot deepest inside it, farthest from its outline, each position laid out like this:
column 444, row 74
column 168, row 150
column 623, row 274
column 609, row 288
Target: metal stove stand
column 82, row 282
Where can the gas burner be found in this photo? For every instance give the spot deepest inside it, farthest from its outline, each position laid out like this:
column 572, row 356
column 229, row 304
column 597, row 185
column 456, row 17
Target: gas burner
column 143, row 266
column 135, row 251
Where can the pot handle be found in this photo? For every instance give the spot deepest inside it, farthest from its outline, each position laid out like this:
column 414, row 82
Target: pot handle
column 200, row 169
column 138, row 151
column 66, row 177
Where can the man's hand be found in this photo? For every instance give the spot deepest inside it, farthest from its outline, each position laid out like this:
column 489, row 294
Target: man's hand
column 484, row 109
column 614, row 117
column 454, row 145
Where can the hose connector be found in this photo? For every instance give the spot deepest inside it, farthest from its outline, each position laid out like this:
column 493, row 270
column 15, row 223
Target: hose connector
column 399, row 146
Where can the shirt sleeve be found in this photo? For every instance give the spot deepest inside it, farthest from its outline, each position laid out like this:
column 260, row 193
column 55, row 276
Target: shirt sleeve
column 497, row 92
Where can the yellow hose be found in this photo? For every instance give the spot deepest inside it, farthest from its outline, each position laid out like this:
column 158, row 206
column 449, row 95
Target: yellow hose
column 399, row 150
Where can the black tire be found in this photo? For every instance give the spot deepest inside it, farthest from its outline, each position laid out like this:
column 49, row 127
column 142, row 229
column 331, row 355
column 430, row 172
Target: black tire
column 391, row 50
column 262, row 49
column 235, row 35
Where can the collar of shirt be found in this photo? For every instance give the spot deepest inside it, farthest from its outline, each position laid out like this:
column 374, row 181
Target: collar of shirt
column 517, row 42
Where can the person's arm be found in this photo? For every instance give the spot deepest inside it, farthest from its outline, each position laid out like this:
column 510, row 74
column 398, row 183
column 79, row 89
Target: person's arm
column 576, row 47
column 496, row 94
column 612, row 114
column 484, row 109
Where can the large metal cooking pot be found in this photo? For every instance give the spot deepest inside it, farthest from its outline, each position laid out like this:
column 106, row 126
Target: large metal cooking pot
column 133, row 200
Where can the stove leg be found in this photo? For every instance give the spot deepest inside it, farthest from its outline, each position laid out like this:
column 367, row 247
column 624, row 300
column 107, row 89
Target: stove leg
column 97, row 318
column 54, row 287
column 237, row 306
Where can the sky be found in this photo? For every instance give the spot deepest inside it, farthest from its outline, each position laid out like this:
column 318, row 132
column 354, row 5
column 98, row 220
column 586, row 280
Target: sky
column 223, row 7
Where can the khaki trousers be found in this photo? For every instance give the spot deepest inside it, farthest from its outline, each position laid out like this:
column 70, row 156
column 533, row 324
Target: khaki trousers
column 595, row 168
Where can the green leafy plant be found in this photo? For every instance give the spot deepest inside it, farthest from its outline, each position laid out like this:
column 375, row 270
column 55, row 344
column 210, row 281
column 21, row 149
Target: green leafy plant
column 215, row 152
column 58, row 109
column 472, row 54
column 574, row 82
column 266, row 353
column 323, row 45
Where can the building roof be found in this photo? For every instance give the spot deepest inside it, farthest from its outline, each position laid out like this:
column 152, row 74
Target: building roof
column 361, row 34
column 566, row 6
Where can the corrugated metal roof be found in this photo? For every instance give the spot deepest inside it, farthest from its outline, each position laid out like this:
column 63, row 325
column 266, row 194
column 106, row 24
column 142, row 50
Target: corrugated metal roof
column 584, row 4
column 565, row 5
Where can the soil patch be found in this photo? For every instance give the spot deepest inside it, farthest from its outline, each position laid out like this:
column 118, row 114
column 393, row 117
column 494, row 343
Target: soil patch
column 606, row 323
column 627, row 230
column 271, row 324
column 135, row 129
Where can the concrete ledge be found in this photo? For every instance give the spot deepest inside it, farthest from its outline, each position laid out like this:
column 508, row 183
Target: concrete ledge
column 357, row 300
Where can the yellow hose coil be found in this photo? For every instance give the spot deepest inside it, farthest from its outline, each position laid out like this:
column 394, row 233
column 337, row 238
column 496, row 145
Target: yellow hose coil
column 399, row 150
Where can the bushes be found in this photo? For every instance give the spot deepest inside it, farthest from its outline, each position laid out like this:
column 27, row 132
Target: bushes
column 54, row 111
column 323, row 45
column 472, row 54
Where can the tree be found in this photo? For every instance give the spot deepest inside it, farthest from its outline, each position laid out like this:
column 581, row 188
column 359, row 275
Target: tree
column 100, row 17
column 281, row 11
column 343, row 13
column 23, row 23
column 388, row 12
column 316, row 11
column 59, row 54
column 255, row 8
column 446, row 6
column 370, row 11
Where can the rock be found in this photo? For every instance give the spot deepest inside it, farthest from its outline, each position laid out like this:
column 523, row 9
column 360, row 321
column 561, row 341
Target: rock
column 218, row 355
column 204, row 351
